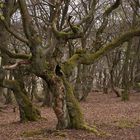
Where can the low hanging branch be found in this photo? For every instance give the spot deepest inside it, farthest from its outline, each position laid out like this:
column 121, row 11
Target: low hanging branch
column 106, row 15
column 14, row 55
column 14, row 33
column 90, row 58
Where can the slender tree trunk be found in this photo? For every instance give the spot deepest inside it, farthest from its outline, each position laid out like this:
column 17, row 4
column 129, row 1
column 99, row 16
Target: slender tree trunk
column 34, row 91
column 8, row 97
column 48, row 99
column 112, row 83
column 105, row 83
column 87, row 81
column 8, row 94
column 125, row 80
column 1, row 93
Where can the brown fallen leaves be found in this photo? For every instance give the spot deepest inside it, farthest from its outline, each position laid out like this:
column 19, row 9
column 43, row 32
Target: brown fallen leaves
column 116, row 120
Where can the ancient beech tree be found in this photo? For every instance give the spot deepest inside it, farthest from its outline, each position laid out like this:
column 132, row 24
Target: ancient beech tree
column 44, row 59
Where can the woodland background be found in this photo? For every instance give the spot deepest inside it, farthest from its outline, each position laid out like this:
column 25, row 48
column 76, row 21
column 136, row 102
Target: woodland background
column 70, row 69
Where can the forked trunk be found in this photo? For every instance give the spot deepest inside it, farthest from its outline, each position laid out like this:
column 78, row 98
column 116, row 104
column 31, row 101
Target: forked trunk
column 59, row 101
column 65, row 105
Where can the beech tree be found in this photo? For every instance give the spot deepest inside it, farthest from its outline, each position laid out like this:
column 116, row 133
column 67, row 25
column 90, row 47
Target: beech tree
column 46, row 49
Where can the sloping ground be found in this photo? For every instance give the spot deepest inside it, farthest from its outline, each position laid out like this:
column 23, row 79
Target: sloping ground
column 115, row 119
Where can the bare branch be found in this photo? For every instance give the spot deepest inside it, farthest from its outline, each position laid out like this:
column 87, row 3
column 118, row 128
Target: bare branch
column 14, row 33
column 14, row 55
column 105, row 17
column 26, row 19
column 90, row 58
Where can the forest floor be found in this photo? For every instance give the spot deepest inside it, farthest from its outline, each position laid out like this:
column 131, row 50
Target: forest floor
column 116, row 120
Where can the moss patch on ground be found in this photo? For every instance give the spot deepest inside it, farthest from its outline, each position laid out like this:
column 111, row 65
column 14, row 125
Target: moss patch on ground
column 44, row 133
column 125, row 124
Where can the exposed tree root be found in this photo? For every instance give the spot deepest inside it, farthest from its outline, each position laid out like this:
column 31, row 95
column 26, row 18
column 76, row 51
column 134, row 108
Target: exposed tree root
column 90, row 129
column 94, row 130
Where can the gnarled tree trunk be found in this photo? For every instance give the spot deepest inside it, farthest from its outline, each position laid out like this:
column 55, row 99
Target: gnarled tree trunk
column 27, row 110
column 65, row 105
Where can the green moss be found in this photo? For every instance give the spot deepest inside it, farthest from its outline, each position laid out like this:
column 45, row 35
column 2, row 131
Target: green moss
column 31, row 133
column 2, row 17
column 60, row 133
column 95, row 130
column 138, row 84
column 56, row 133
column 75, row 113
column 80, row 51
column 104, row 134
column 125, row 96
column 1, row 4
column 125, row 124
column 90, row 58
column 74, row 110
column 28, row 111
column 76, row 29
column 68, row 66
column 61, row 34
column 31, row 112
column 91, row 129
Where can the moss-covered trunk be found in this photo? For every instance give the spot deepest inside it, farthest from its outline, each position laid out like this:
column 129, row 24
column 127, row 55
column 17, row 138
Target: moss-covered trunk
column 74, row 110
column 27, row 110
column 65, row 105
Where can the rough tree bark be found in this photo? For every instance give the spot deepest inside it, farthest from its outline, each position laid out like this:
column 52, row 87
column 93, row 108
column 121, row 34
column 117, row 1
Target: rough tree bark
column 27, row 111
